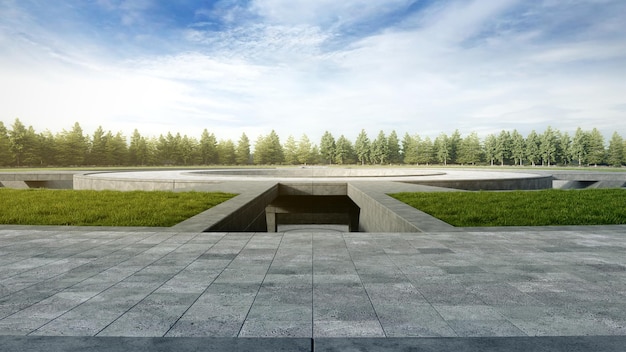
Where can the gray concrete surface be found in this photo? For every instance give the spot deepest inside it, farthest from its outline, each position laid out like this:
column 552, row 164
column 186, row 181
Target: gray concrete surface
column 174, row 179
column 473, row 288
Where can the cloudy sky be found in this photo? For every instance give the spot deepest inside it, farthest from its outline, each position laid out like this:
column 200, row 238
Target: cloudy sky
column 306, row 66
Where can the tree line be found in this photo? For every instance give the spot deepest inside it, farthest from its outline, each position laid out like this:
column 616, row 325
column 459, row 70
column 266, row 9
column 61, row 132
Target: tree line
column 22, row 146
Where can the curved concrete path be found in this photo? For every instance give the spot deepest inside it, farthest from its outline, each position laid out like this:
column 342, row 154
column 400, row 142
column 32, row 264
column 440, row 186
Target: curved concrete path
column 513, row 289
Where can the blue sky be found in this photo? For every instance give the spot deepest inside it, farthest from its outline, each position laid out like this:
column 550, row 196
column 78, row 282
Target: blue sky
column 304, row 67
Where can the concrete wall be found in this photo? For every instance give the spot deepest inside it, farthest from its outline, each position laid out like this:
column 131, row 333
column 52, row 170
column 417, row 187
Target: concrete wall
column 43, row 179
column 120, row 184
column 529, row 183
column 243, row 213
column 376, row 217
column 323, row 172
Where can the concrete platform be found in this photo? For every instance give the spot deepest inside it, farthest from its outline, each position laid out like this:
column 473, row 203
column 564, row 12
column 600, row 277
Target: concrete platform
column 512, row 289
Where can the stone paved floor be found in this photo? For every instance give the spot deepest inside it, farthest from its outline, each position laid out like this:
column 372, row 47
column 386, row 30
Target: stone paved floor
column 499, row 282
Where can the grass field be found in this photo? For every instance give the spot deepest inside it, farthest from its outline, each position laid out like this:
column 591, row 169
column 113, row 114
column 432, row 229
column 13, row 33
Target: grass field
column 102, row 208
column 523, row 208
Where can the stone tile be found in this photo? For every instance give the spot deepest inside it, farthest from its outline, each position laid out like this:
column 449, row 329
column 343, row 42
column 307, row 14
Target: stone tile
column 487, row 283
column 276, row 328
column 205, row 328
column 338, row 328
column 468, row 312
column 477, row 328
column 281, row 312
column 414, row 320
column 448, row 293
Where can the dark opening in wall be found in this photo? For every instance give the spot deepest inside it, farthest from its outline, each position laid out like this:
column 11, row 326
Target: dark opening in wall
column 312, row 210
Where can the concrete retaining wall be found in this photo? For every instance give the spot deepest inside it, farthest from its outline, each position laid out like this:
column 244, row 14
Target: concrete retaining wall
column 496, row 184
column 120, row 184
column 243, row 213
column 50, row 179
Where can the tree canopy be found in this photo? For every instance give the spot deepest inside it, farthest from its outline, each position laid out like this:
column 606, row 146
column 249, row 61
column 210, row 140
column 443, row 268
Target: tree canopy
column 22, row 146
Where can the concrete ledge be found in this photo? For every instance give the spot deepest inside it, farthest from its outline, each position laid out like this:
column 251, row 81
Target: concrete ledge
column 494, row 184
column 146, row 344
column 321, row 172
column 476, row 344
column 84, row 181
column 184, row 344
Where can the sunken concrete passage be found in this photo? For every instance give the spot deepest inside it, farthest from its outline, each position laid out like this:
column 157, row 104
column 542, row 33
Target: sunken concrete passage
column 364, row 206
column 512, row 283
column 313, row 210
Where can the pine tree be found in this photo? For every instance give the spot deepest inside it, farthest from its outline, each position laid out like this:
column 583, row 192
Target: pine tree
column 6, row 157
column 208, row 148
column 469, row 150
column 409, row 148
column 290, row 150
column 597, row 153
column 362, row 147
column 454, row 143
column 328, row 147
column 226, row 152
column 615, row 154
column 503, row 147
column 533, row 153
column 97, row 152
column 242, row 152
column 580, row 147
column 565, row 145
column 138, row 149
column 425, row 151
column 268, row 150
column 305, row 153
column 23, row 144
column 548, row 146
column 490, row 148
column 442, row 148
column 71, row 147
column 379, row 151
column 393, row 148
column 344, row 152
column 518, row 148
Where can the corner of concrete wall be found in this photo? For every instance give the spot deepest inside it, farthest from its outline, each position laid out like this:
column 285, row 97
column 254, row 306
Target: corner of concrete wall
column 375, row 216
column 243, row 213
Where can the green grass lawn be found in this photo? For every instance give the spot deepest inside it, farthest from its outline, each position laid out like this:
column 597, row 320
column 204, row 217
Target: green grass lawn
column 523, row 208
column 102, row 208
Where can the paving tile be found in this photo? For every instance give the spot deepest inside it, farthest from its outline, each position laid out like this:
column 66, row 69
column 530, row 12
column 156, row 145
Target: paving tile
column 479, row 283
column 275, row 328
column 338, row 328
column 414, row 320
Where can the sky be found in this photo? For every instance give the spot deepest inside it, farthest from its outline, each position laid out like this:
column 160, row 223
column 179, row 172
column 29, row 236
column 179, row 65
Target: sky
column 308, row 66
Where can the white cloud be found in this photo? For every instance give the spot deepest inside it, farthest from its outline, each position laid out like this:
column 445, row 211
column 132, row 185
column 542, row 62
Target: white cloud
column 323, row 12
column 446, row 68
